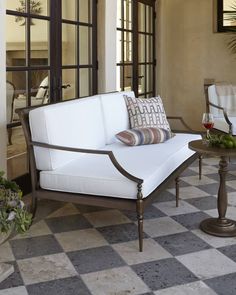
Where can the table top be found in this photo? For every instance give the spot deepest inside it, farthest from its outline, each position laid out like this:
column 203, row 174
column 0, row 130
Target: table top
column 202, row 148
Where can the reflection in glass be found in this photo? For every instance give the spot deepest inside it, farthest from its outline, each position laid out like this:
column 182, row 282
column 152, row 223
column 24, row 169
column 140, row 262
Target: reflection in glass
column 119, row 47
column 141, row 17
column 141, row 44
column 119, row 14
column 85, row 52
column 85, row 82
column 18, row 99
column 128, row 78
column 229, row 19
column 128, row 47
column 85, row 11
column 69, row 11
column 69, row 44
column 149, row 43
column 149, row 19
column 149, row 78
column 141, row 79
column 69, row 81
column 127, row 14
column 39, row 87
column 15, row 43
column 14, row 5
column 229, row 5
column 39, row 42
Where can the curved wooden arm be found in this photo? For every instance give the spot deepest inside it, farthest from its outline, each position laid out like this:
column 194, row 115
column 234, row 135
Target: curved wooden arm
column 225, row 115
column 110, row 154
column 189, row 129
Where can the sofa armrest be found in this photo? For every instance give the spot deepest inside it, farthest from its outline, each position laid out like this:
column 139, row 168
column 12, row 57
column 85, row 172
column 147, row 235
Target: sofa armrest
column 187, row 128
column 110, row 154
column 225, row 115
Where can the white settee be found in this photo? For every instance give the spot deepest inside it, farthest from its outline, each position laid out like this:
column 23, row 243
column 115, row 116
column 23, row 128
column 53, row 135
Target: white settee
column 96, row 169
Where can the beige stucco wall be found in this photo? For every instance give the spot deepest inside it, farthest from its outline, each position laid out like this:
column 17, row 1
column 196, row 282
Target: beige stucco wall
column 188, row 52
column 3, row 137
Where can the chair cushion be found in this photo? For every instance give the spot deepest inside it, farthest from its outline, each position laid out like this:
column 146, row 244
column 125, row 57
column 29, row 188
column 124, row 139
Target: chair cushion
column 147, row 112
column 140, row 136
column 95, row 174
column 115, row 114
column 77, row 123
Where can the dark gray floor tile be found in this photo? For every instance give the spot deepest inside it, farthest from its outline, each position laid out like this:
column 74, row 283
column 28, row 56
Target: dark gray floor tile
column 89, row 209
column 14, row 280
column 164, row 273
column 37, row 246
column 192, row 220
column 46, row 207
column 188, row 172
column 229, row 251
column 212, row 189
column 165, row 196
column 149, row 213
column 67, row 223
column 95, row 259
column 120, row 233
column 205, row 203
column 224, row 285
column 182, row 243
column 67, row 286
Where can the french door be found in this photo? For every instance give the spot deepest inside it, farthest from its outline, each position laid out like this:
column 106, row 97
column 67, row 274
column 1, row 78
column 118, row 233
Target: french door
column 136, row 46
column 51, row 56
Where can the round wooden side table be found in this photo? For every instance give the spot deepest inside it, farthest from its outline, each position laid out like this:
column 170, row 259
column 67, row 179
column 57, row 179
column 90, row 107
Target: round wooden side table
column 221, row 226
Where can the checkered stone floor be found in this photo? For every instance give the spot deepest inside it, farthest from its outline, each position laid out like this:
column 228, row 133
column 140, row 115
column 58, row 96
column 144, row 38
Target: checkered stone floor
column 82, row 250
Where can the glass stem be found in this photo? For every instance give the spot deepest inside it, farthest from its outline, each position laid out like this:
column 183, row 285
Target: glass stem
column 208, row 134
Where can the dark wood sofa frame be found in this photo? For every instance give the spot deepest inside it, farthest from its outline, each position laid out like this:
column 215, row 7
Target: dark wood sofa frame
column 137, row 205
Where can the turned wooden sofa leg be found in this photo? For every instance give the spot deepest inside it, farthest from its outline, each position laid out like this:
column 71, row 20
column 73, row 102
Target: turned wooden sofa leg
column 177, row 191
column 140, row 210
column 200, row 166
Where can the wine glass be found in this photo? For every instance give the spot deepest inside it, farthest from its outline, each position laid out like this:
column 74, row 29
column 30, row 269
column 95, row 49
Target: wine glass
column 208, row 123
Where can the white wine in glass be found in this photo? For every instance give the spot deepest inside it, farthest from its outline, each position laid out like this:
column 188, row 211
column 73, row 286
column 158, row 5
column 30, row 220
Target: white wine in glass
column 208, row 123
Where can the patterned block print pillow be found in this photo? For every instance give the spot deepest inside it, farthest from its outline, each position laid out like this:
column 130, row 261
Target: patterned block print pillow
column 141, row 136
column 146, row 112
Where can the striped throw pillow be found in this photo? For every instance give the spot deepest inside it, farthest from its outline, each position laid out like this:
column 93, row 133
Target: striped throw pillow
column 141, row 136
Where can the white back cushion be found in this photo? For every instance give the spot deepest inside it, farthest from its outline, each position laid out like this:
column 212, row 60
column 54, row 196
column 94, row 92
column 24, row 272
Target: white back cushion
column 115, row 114
column 77, row 123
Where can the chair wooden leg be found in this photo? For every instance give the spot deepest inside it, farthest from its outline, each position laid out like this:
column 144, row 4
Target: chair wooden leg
column 200, row 166
column 139, row 209
column 34, row 202
column 9, row 133
column 177, row 191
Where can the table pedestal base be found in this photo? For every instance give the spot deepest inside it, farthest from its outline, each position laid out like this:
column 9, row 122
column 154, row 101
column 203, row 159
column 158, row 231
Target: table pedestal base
column 219, row 227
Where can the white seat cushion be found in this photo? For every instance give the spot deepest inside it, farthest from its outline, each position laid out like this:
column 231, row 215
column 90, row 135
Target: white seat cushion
column 96, row 175
column 116, row 118
column 77, row 123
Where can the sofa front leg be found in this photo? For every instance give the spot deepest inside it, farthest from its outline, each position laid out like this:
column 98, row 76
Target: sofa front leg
column 177, row 191
column 140, row 210
column 200, row 166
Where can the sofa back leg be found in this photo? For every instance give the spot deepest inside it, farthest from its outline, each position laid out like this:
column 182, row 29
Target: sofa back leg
column 140, row 210
column 34, row 202
column 200, row 166
column 177, row 191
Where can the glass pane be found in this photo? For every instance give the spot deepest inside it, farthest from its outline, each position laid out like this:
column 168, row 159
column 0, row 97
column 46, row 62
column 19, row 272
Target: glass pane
column 85, row 82
column 39, row 7
column 119, row 47
column 119, row 78
column 229, row 4
column 128, row 14
column 119, row 14
column 141, row 45
column 85, row 50
column 141, row 17
column 230, row 19
column 39, row 87
column 149, row 19
column 85, row 11
column 16, row 5
column 128, row 47
column 141, row 79
column 149, row 78
column 16, row 94
column 69, row 44
column 69, row 82
column 39, row 42
column 69, row 9
column 149, row 44
column 128, row 78
column 15, row 42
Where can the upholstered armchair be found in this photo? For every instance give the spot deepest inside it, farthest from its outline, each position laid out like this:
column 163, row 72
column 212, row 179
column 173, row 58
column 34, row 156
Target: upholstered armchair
column 221, row 102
